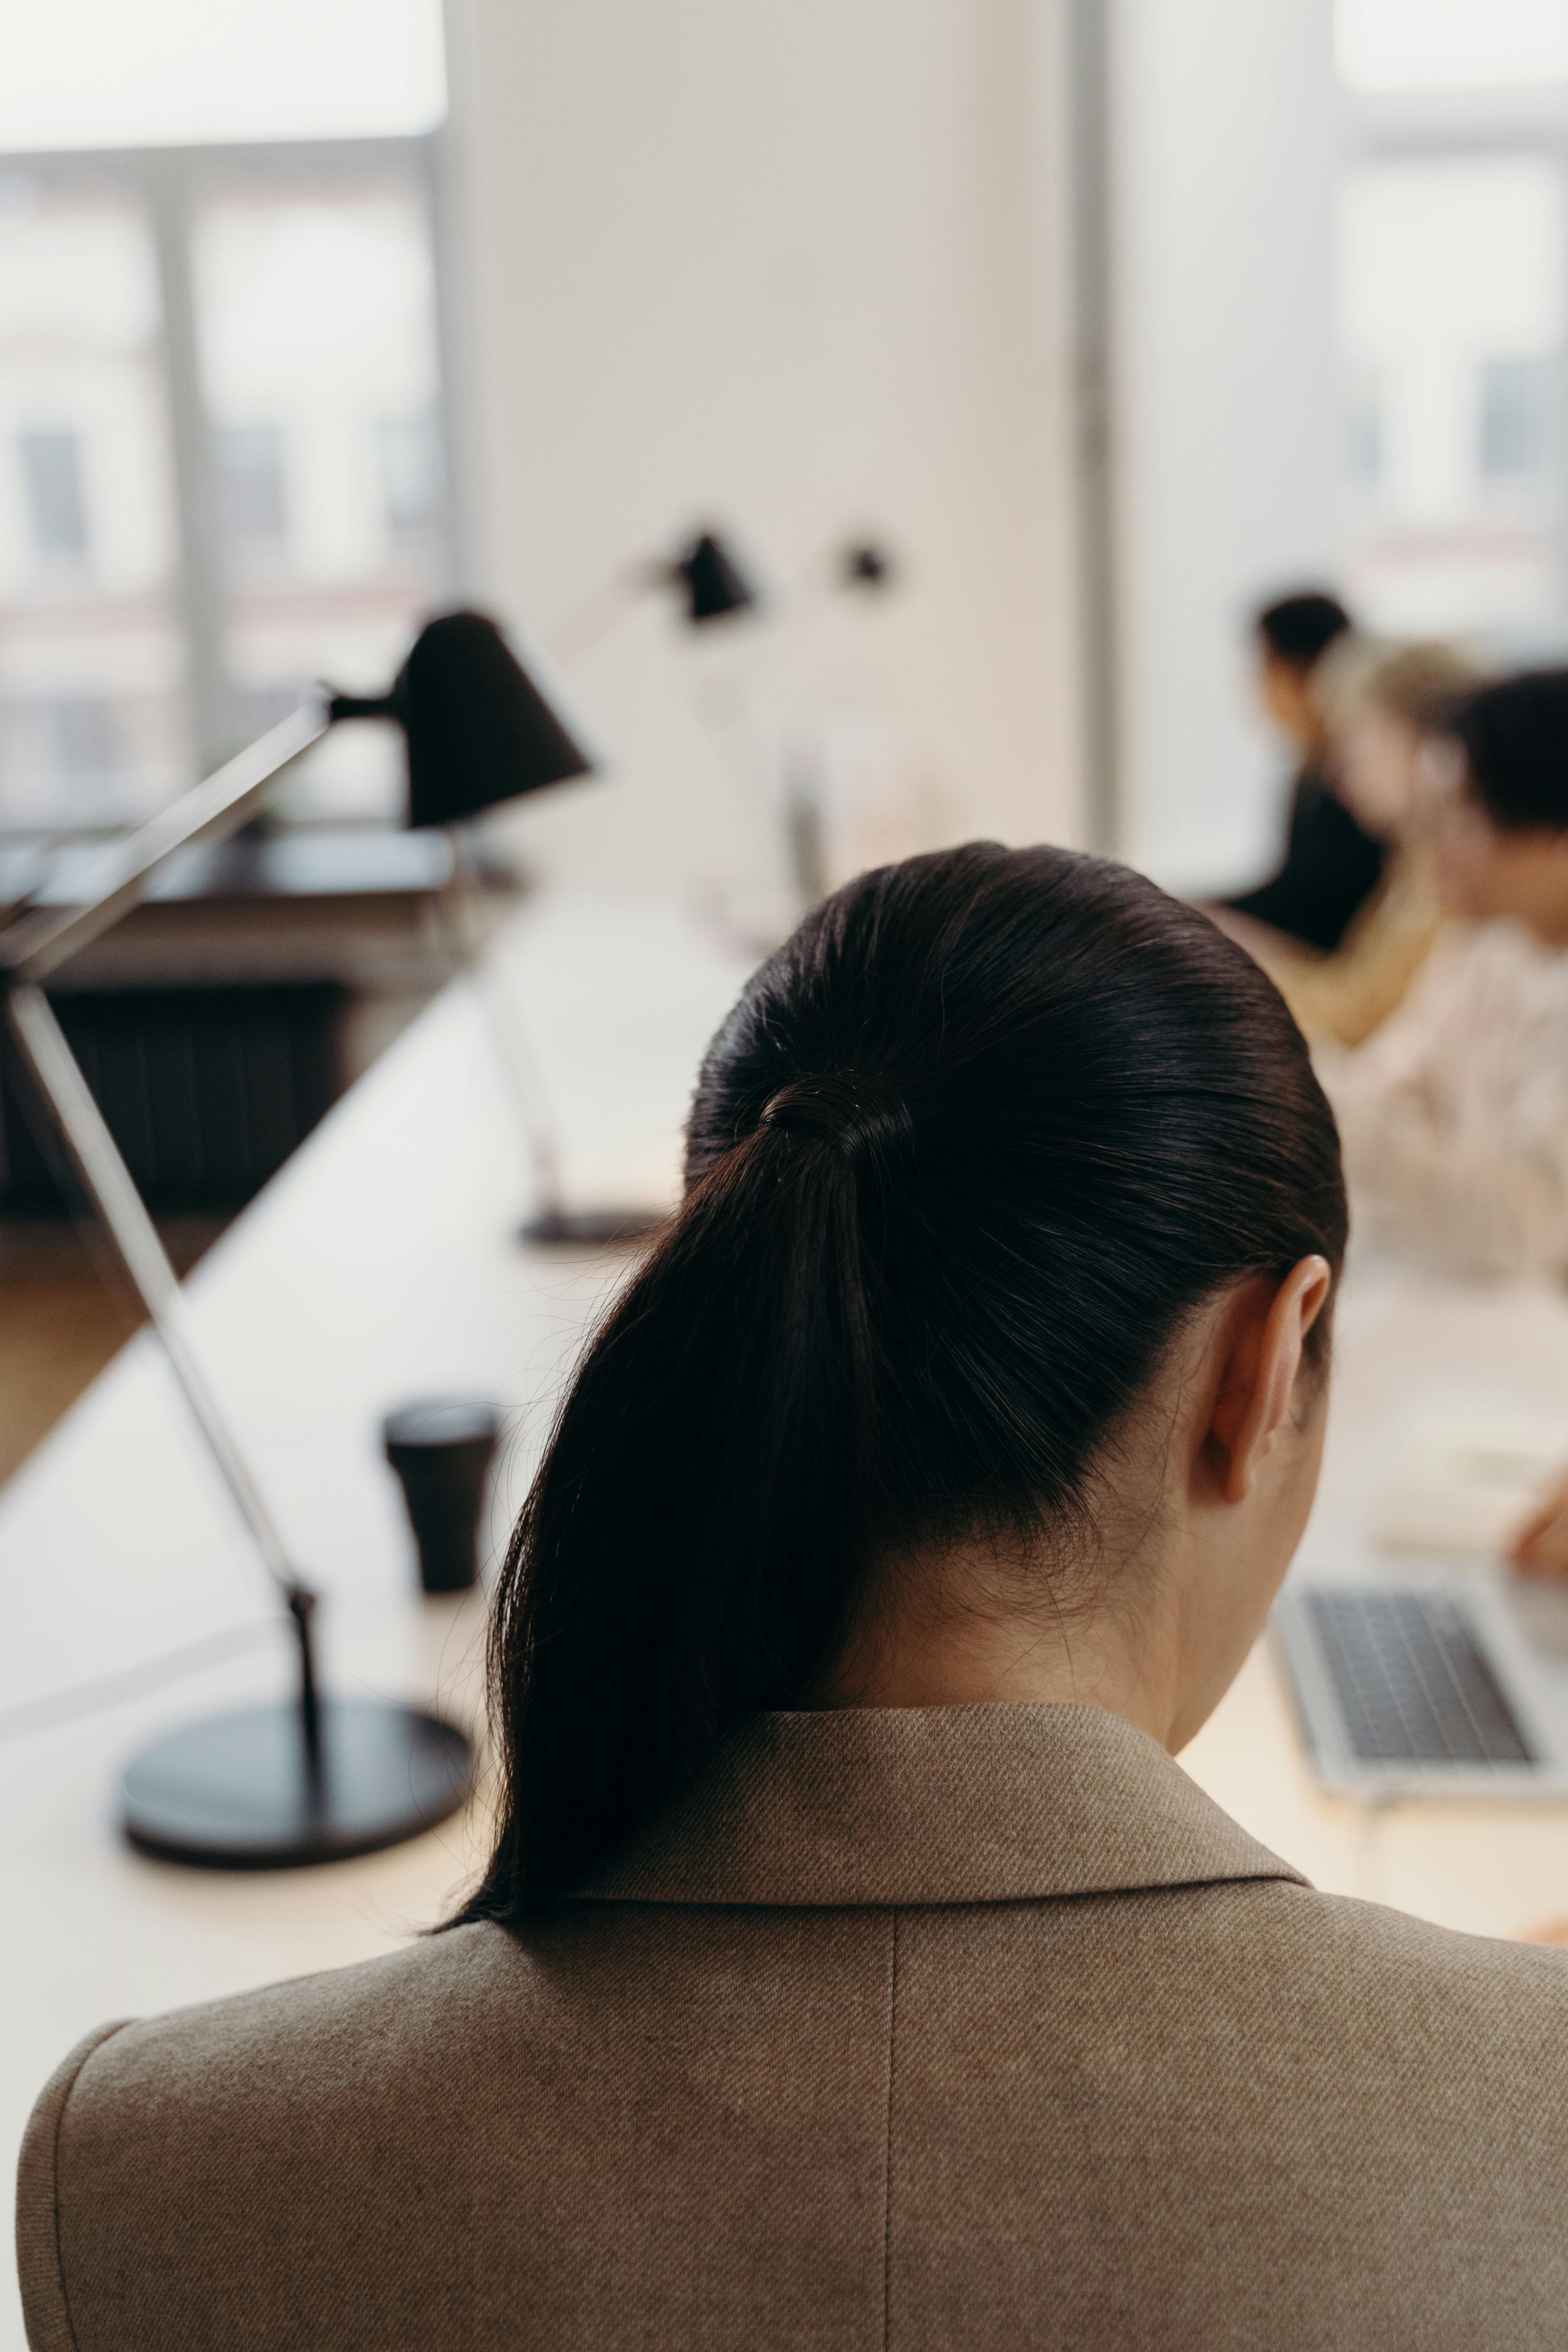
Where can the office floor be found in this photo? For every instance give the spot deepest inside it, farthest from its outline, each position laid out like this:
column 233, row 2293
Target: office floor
column 64, row 1312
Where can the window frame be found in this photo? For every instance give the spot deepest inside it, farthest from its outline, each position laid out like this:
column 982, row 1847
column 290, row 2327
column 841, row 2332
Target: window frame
column 1502, row 119
column 164, row 184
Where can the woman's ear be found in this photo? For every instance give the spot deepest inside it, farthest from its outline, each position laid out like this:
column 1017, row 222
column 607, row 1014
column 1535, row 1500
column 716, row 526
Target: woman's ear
column 1263, row 1341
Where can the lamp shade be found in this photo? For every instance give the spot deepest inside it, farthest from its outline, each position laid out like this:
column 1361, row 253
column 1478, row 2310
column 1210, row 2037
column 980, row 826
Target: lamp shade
column 714, row 582
column 480, row 729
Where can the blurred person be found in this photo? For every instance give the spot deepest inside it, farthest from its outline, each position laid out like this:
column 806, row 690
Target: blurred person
column 1330, row 866
column 854, row 1965
column 1385, row 711
column 1454, row 1116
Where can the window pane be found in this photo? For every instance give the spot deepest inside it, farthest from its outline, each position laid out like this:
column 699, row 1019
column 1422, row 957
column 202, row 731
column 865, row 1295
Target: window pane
column 1450, row 44
column 316, row 317
column 92, row 661
column 248, row 459
column 1521, row 405
column 168, row 73
column 411, row 480
column 51, row 479
column 1451, row 295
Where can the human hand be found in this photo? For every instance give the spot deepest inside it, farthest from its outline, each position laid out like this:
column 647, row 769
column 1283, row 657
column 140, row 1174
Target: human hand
column 1540, row 1545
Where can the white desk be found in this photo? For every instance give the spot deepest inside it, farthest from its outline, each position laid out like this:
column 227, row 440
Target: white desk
column 1407, row 1348
column 381, row 1265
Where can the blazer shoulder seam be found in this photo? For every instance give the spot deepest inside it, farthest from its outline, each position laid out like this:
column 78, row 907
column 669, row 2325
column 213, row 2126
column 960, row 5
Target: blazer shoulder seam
column 888, row 2145
column 64, row 2089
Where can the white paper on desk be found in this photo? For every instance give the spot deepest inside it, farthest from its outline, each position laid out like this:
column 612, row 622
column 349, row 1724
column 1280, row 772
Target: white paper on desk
column 1462, row 1485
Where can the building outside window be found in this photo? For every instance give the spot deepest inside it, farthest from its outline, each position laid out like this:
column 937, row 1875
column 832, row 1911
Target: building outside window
column 1453, row 316
column 51, row 481
column 247, row 461
column 1520, row 402
column 224, row 422
column 411, row 475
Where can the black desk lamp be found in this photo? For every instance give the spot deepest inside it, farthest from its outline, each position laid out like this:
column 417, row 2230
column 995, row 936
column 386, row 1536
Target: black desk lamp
column 479, row 730
column 316, row 1779
column 708, row 582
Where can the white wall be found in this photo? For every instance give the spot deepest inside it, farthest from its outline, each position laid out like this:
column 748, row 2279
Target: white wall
column 784, row 264
column 1224, row 135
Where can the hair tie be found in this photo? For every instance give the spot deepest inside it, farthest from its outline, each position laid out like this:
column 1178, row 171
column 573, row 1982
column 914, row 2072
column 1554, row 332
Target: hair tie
column 849, row 1108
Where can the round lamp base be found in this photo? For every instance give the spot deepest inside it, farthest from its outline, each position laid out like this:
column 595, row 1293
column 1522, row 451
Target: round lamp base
column 236, row 1792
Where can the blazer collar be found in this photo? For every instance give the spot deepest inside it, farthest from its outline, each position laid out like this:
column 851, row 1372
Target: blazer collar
column 933, row 1805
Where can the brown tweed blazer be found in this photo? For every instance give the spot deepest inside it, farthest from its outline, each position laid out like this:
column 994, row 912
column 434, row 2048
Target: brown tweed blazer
column 971, row 2027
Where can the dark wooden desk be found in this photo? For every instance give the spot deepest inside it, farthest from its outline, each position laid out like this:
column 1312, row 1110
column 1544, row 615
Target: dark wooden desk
column 222, row 1017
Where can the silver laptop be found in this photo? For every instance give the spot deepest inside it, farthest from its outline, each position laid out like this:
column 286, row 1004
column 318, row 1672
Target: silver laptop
column 1428, row 1684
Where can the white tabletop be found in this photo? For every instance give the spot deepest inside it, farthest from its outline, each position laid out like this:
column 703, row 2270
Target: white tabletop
column 1408, row 1349
column 381, row 1265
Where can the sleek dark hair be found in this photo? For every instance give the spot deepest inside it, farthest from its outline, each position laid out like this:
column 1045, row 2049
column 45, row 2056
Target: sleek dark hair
column 970, row 1147
column 1300, row 629
column 1515, row 738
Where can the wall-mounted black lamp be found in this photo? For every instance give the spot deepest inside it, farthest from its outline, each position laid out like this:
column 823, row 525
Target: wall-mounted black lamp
column 708, row 581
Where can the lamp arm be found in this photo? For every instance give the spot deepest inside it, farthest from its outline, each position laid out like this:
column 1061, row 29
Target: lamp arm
column 58, row 1074
column 609, row 606
column 208, row 812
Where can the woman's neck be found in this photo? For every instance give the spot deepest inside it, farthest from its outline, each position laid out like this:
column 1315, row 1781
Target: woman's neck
column 955, row 1635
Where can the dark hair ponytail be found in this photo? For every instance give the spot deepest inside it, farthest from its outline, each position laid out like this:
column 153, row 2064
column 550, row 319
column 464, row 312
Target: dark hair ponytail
column 971, row 1147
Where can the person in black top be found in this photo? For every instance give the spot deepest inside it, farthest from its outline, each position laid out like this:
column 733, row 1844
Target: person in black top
column 1331, row 867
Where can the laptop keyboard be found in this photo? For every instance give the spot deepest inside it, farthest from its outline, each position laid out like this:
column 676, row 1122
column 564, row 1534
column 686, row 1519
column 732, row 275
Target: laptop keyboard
column 1413, row 1685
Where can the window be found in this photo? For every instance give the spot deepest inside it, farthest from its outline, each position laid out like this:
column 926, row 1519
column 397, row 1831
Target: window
column 249, row 464
column 89, row 609
column 1453, row 304
column 1364, row 435
column 1520, row 406
column 87, row 747
column 179, row 73
column 51, row 478
column 1404, row 45
column 222, row 407
column 78, row 751
column 410, row 449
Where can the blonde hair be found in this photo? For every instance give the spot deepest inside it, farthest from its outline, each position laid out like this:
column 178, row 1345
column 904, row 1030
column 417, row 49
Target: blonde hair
column 1424, row 681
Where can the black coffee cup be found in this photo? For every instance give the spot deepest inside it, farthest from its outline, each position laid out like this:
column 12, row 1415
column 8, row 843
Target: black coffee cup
column 440, row 1448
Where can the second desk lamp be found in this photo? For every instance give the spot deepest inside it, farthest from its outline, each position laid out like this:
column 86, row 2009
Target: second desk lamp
column 705, row 578
column 464, row 736
column 709, row 585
